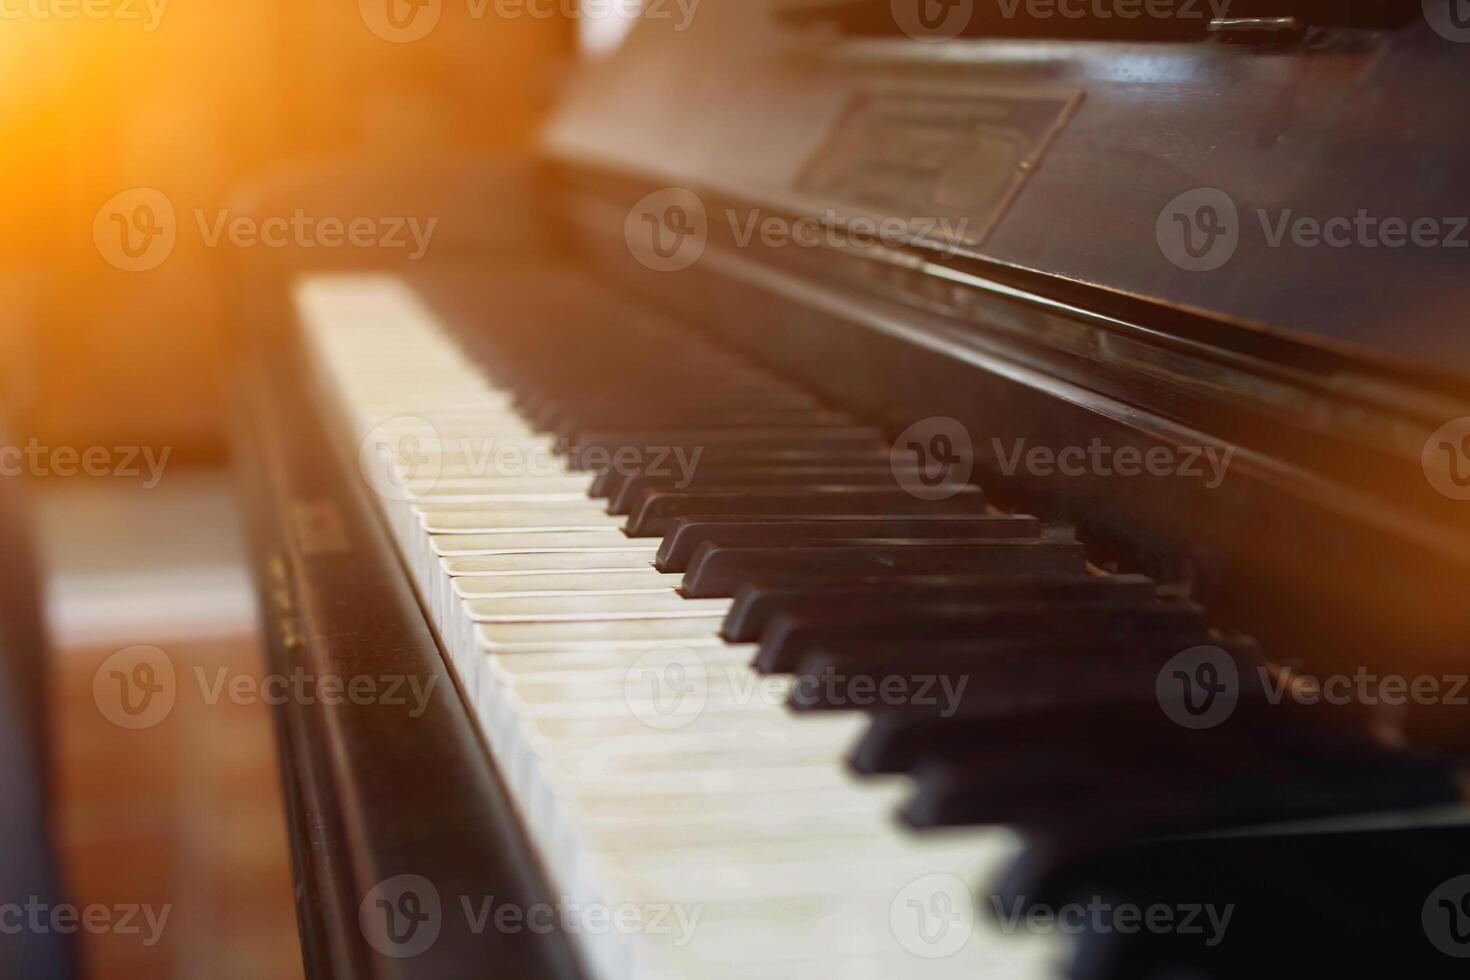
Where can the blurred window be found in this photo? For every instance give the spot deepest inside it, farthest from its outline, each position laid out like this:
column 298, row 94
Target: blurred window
column 604, row 23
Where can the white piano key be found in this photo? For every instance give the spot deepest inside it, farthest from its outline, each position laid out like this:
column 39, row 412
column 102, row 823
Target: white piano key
column 544, row 519
column 521, row 541
column 665, row 604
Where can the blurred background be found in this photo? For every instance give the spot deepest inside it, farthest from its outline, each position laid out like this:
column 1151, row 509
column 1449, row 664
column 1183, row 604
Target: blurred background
column 131, row 130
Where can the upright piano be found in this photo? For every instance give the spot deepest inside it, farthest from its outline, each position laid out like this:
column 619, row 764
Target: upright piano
column 918, row 490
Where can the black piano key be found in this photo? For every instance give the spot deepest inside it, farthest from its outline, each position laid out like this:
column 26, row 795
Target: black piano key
column 647, row 393
column 609, row 482
column 1354, row 896
column 756, row 604
column 719, row 571
column 813, row 438
column 750, row 417
column 1075, row 707
column 661, row 508
column 987, row 674
column 1151, row 789
column 688, row 534
column 746, row 396
column 790, row 637
column 715, row 477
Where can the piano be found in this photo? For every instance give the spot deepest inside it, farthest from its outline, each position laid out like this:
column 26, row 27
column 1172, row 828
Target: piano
column 925, row 490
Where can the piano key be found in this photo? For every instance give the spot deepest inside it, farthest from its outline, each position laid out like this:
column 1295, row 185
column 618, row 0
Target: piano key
column 442, row 521
column 593, row 608
column 609, row 482
column 788, row 638
column 640, row 443
column 661, row 508
column 689, row 533
column 718, row 570
column 631, row 633
column 596, row 581
column 756, row 604
column 635, row 490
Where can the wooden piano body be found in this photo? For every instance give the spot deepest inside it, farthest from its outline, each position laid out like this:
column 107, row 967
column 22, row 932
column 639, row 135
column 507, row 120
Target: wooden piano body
column 1035, row 293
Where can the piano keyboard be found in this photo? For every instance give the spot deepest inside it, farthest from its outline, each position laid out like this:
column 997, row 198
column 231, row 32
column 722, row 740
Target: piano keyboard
column 667, row 579
column 653, row 767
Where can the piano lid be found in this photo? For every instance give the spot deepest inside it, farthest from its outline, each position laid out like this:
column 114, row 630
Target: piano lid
column 1308, row 180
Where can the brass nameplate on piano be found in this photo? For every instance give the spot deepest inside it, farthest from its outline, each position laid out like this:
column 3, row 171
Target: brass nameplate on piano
column 948, row 164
